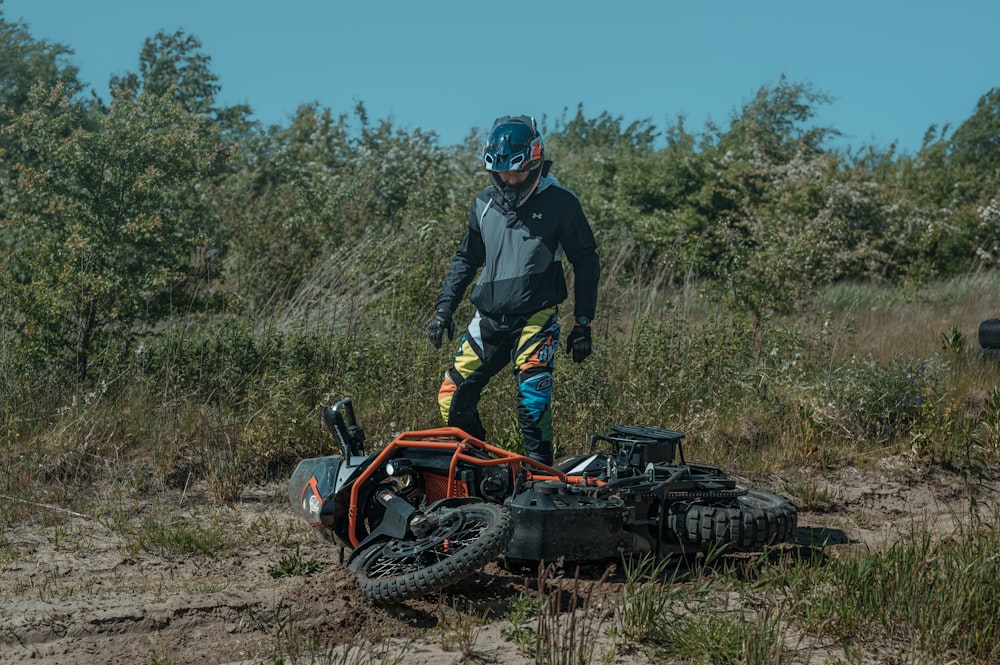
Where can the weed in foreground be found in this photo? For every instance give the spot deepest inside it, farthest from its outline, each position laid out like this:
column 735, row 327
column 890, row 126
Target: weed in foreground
column 294, row 565
column 293, row 644
column 458, row 630
column 678, row 617
column 523, row 610
column 567, row 635
column 556, row 625
column 652, row 591
column 180, row 536
column 724, row 637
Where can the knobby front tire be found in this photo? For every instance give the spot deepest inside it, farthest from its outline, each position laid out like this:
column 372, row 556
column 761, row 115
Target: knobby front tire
column 467, row 538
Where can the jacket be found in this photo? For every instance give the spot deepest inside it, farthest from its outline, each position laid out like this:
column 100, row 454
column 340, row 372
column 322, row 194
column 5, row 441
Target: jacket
column 520, row 252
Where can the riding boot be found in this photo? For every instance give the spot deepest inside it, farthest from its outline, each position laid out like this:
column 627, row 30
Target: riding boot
column 540, row 451
column 470, row 423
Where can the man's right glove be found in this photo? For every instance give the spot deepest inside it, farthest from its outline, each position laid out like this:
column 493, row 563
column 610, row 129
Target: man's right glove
column 578, row 343
column 439, row 324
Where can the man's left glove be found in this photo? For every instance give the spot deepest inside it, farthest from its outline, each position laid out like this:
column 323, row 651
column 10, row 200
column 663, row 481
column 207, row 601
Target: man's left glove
column 439, row 325
column 578, row 343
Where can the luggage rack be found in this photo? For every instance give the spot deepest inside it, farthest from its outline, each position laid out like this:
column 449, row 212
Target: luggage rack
column 638, row 446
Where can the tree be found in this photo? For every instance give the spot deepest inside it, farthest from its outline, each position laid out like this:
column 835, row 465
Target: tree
column 173, row 66
column 273, row 214
column 321, row 185
column 974, row 154
column 776, row 124
column 25, row 61
column 977, row 140
column 110, row 227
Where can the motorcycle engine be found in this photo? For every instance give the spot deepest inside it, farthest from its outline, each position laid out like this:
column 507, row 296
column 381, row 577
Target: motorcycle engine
column 495, row 485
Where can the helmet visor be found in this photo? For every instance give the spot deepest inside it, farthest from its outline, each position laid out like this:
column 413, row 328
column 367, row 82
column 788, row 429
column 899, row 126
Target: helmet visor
column 512, row 147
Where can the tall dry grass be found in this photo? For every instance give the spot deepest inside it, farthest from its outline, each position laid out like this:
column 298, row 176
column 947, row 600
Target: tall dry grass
column 863, row 369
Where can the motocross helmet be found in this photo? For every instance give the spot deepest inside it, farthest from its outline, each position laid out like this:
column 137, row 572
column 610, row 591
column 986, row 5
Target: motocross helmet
column 514, row 145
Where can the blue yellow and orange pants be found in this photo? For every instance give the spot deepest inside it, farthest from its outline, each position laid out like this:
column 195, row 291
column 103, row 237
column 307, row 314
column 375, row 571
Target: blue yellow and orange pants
column 490, row 343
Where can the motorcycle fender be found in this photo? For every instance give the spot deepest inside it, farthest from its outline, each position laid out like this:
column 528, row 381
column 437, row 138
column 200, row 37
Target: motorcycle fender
column 394, row 522
column 394, row 525
column 373, row 537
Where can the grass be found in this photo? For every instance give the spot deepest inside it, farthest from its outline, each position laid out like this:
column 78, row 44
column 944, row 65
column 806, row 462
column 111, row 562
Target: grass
column 864, row 371
column 182, row 536
column 292, row 643
column 939, row 596
column 458, row 630
column 700, row 615
column 295, row 564
column 926, row 599
column 561, row 624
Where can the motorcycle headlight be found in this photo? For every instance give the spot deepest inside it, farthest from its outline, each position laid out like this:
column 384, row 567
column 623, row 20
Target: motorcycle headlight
column 311, row 505
column 399, row 467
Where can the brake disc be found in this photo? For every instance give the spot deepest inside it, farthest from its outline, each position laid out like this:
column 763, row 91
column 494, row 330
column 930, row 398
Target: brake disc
column 450, row 524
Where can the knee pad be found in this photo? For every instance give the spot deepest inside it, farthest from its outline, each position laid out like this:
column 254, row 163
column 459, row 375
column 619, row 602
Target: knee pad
column 536, row 392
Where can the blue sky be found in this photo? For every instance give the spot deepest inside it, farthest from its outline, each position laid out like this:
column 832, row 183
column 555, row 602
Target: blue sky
column 893, row 67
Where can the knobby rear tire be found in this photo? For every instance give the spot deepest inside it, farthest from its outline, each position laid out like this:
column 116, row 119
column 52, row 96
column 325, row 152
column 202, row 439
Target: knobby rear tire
column 751, row 521
column 385, row 575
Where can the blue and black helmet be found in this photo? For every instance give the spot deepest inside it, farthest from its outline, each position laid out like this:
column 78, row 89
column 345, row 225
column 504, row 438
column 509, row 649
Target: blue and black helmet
column 514, row 144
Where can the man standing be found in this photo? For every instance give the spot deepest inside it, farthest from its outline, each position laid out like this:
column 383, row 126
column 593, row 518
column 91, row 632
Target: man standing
column 518, row 231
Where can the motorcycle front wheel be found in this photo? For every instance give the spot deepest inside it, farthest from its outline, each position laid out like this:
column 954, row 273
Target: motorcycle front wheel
column 465, row 539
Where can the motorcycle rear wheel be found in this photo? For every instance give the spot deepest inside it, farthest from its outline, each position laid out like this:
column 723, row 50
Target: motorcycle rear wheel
column 466, row 538
column 750, row 521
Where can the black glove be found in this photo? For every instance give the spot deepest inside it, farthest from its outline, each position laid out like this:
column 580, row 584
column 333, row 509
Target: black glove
column 578, row 343
column 439, row 324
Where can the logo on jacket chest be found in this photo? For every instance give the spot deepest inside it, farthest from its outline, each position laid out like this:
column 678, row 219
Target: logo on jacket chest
column 534, row 218
column 534, row 221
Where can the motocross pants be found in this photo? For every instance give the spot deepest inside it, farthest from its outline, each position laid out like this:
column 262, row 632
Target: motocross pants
column 528, row 344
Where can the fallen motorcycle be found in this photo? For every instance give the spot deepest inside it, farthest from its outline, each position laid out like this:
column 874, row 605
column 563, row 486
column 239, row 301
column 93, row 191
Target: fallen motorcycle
column 434, row 506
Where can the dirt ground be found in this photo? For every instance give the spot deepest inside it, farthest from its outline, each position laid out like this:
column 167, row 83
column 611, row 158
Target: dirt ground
column 74, row 593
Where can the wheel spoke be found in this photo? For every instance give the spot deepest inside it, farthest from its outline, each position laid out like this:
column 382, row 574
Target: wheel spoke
column 402, row 557
column 401, row 569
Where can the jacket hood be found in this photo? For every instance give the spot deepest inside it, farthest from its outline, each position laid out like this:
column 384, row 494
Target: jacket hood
column 544, row 182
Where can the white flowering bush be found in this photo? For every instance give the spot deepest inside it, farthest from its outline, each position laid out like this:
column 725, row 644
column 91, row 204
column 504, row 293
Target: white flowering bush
column 988, row 251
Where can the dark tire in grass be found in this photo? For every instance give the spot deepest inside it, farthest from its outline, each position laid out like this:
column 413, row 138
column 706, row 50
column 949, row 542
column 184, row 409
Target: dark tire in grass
column 989, row 334
column 750, row 521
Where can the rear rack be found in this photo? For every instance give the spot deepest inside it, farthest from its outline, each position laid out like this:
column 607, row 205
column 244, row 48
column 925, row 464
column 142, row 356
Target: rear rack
column 638, row 446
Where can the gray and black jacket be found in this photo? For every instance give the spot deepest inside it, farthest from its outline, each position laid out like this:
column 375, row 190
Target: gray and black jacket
column 520, row 252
